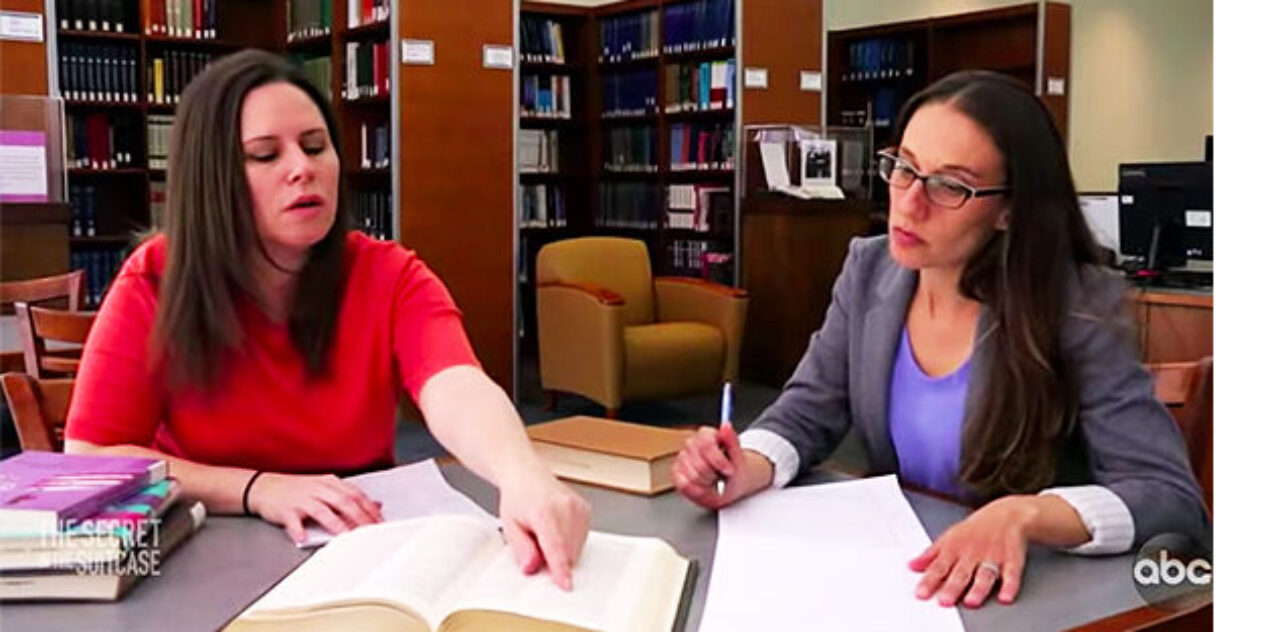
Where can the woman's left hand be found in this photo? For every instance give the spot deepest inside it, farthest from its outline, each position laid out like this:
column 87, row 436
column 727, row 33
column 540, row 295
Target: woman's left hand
column 545, row 522
column 989, row 545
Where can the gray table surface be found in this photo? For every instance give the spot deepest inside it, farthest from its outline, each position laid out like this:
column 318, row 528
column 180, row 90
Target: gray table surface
column 231, row 561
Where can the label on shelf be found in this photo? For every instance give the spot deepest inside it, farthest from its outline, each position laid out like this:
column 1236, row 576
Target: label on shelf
column 810, row 81
column 1198, row 219
column 21, row 26
column 418, row 52
column 1057, row 86
column 755, row 78
column 500, row 57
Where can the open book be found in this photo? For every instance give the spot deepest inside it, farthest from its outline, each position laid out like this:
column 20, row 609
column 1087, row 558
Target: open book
column 455, row 573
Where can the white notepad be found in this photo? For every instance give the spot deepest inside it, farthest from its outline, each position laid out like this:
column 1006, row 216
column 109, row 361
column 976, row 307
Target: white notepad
column 821, row 557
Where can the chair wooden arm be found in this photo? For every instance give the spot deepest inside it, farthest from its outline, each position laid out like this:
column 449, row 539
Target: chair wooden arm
column 726, row 290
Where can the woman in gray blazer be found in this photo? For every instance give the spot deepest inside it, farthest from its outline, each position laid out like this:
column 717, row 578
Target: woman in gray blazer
column 978, row 350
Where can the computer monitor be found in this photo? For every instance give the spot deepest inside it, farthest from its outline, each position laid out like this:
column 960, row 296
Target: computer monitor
column 1166, row 212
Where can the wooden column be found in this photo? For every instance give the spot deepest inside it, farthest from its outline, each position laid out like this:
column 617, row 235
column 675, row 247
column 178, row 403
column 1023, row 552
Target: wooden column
column 23, row 65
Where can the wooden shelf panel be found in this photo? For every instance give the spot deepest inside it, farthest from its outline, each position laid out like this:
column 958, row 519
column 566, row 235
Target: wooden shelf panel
column 99, row 35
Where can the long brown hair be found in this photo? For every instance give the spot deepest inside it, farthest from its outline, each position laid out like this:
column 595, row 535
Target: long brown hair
column 211, row 234
column 1029, row 406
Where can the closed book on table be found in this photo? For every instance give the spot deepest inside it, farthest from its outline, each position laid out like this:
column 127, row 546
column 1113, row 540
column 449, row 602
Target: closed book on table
column 454, row 573
column 43, row 491
column 107, row 582
column 102, row 537
column 625, row 456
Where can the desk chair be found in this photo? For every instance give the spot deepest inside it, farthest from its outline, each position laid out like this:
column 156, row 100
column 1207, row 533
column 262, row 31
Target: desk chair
column 63, row 290
column 608, row 330
column 1186, row 388
column 39, row 409
column 40, row 326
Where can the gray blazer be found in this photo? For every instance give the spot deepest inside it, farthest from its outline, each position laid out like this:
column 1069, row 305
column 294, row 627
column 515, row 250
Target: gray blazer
column 1125, row 439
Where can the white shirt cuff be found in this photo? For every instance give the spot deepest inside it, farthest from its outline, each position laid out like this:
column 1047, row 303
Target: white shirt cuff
column 1105, row 516
column 779, row 451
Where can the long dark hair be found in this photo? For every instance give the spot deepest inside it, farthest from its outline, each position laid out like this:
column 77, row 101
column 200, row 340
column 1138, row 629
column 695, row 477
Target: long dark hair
column 1029, row 406
column 211, row 233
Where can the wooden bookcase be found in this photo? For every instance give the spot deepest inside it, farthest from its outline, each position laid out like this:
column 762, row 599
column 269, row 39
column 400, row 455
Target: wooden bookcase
column 873, row 70
column 121, row 192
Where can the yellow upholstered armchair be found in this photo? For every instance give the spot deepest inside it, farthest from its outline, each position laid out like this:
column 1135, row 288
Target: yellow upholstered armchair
column 609, row 331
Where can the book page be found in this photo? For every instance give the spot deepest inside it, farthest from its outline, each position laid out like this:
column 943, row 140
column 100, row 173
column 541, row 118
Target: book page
column 411, row 561
column 821, row 557
column 408, row 491
column 609, row 586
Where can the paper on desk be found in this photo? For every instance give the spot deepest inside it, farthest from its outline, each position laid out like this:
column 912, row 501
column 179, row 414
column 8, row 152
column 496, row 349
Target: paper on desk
column 408, row 491
column 821, row 557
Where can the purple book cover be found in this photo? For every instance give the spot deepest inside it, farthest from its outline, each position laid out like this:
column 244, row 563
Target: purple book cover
column 39, row 490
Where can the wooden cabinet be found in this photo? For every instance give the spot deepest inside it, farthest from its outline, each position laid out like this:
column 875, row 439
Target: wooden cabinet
column 1174, row 326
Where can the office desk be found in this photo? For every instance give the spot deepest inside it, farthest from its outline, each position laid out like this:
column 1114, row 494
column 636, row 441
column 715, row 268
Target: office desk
column 1174, row 325
column 231, row 561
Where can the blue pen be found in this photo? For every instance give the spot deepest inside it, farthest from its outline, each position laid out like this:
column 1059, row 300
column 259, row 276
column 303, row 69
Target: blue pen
column 726, row 419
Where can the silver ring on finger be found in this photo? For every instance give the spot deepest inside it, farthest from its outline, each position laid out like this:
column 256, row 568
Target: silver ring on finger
column 990, row 566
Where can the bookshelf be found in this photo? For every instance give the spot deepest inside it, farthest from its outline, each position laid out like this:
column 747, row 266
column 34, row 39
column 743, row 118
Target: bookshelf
column 120, row 68
column 873, row 70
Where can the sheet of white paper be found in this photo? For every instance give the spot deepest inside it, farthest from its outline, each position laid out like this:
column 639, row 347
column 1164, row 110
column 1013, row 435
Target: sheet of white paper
column 1102, row 214
column 408, row 491
column 22, row 172
column 822, row 557
column 774, row 157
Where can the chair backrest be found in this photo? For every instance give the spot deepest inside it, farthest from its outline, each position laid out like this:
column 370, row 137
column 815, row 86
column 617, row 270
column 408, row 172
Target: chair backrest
column 40, row 326
column 1187, row 389
column 62, row 290
column 39, row 409
column 620, row 265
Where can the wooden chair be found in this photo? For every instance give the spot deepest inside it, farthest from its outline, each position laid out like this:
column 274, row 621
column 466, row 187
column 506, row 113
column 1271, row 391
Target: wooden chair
column 63, row 290
column 1187, row 389
column 39, row 409
column 39, row 326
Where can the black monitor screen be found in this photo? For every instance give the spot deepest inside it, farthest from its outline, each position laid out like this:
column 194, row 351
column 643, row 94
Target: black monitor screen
column 1177, row 198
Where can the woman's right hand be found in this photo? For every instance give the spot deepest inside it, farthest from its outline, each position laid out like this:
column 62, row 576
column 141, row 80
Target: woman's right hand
column 289, row 500
column 712, row 455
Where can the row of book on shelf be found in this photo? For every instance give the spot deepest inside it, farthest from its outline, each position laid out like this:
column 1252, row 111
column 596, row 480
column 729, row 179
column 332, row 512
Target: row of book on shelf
column 108, row 73
column 181, row 18
column 375, row 145
column 541, row 39
column 538, row 151
column 699, row 207
column 707, row 259
column 629, row 36
column 545, row 96
column 100, row 264
column 159, row 128
column 881, row 58
column 368, row 70
column 700, row 146
column 107, row 16
column 695, row 87
column 878, row 109
column 314, row 18
column 630, row 93
column 695, row 26
column 631, row 149
column 79, row 527
column 98, row 72
column 317, row 70
column 629, row 205
column 101, row 141
column 542, row 206
column 372, row 213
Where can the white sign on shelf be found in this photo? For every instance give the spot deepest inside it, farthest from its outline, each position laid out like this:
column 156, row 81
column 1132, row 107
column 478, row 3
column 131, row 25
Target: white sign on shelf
column 23, row 166
column 1057, row 85
column 500, row 57
column 810, row 81
column 1198, row 219
column 420, row 52
column 755, row 78
column 21, row 26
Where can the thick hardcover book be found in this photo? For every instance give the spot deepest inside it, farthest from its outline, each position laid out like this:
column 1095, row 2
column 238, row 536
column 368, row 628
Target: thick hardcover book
column 42, row 491
column 107, row 582
column 453, row 572
column 619, row 455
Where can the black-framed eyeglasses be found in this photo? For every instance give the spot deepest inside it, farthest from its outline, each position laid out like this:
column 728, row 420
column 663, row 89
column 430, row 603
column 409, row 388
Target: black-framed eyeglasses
column 942, row 190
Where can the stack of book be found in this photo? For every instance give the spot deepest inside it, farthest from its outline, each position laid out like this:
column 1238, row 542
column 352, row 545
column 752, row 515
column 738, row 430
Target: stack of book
column 86, row 527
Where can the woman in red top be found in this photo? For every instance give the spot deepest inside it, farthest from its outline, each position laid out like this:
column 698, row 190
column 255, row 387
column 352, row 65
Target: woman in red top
column 258, row 343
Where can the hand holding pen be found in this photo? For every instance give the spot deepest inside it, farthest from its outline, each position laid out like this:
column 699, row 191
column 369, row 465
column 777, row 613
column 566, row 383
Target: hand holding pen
column 711, row 469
